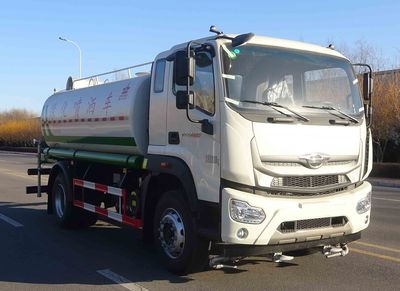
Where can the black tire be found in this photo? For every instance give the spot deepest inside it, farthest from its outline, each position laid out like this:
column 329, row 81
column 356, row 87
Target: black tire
column 66, row 215
column 87, row 218
column 172, row 221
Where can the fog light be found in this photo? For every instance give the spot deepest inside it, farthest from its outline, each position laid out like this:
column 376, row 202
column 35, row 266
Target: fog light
column 242, row 233
column 364, row 204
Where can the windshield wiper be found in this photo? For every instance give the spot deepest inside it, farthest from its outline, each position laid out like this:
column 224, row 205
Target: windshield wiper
column 331, row 108
column 273, row 105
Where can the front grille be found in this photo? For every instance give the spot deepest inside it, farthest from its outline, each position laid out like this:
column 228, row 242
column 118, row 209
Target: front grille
column 307, row 224
column 282, row 164
column 309, row 181
column 313, row 223
column 302, row 194
column 298, row 164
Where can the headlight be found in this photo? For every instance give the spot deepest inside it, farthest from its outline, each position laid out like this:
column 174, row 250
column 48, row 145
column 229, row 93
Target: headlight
column 242, row 212
column 364, row 204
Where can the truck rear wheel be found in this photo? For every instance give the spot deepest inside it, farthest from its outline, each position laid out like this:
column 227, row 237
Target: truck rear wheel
column 181, row 249
column 64, row 211
column 67, row 215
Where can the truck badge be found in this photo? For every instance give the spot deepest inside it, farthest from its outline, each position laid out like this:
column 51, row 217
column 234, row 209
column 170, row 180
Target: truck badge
column 314, row 160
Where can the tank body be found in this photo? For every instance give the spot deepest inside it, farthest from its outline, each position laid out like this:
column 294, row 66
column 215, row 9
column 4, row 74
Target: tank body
column 112, row 117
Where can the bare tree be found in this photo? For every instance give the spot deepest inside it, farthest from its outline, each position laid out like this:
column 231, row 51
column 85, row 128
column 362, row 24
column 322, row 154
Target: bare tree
column 386, row 112
column 364, row 52
column 386, row 95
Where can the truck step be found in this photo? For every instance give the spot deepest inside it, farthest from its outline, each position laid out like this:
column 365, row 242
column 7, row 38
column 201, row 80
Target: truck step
column 35, row 171
column 34, row 189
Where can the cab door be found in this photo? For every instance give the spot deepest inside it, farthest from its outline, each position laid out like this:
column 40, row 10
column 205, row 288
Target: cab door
column 200, row 150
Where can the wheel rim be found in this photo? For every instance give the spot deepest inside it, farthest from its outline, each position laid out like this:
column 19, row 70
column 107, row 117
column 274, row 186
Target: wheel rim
column 60, row 200
column 172, row 233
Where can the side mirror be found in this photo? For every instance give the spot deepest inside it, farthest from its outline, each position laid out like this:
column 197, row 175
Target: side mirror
column 367, row 96
column 203, row 59
column 183, row 99
column 367, row 86
column 184, row 68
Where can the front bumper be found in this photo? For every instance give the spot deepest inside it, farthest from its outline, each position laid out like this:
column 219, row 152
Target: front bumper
column 236, row 250
column 284, row 209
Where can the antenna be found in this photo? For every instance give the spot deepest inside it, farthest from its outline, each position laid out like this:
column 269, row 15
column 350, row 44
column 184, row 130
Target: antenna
column 215, row 30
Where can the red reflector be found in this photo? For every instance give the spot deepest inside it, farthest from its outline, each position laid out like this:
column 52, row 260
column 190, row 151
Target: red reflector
column 164, row 165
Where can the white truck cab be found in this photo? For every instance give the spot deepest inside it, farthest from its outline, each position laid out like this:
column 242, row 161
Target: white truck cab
column 289, row 151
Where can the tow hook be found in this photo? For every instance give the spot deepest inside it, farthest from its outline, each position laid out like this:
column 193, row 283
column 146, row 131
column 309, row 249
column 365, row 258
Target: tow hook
column 335, row 251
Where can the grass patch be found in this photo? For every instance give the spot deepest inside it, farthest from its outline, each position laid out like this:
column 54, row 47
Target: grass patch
column 18, row 128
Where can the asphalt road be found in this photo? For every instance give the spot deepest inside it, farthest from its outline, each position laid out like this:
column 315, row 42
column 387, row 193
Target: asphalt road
column 35, row 254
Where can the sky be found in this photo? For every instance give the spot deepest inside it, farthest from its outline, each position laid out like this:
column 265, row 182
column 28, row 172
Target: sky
column 119, row 33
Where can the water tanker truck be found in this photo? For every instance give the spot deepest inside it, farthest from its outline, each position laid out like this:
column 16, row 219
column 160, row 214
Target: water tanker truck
column 230, row 146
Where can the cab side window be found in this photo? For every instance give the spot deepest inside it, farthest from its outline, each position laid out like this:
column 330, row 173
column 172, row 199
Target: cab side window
column 203, row 86
column 159, row 76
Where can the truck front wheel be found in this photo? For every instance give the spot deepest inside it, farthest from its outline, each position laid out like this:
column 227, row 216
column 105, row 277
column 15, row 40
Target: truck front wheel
column 181, row 249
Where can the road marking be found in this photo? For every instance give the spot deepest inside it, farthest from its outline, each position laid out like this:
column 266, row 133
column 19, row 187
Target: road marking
column 10, row 221
column 397, row 260
column 386, row 199
column 121, row 280
column 376, row 246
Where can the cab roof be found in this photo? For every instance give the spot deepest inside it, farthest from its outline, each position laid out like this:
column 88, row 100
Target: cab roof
column 266, row 41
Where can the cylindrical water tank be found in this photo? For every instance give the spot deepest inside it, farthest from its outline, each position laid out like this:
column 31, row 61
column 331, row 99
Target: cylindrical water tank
column 112, row 117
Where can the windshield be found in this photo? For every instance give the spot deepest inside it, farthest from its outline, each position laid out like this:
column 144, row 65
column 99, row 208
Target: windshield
column 300, row 80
